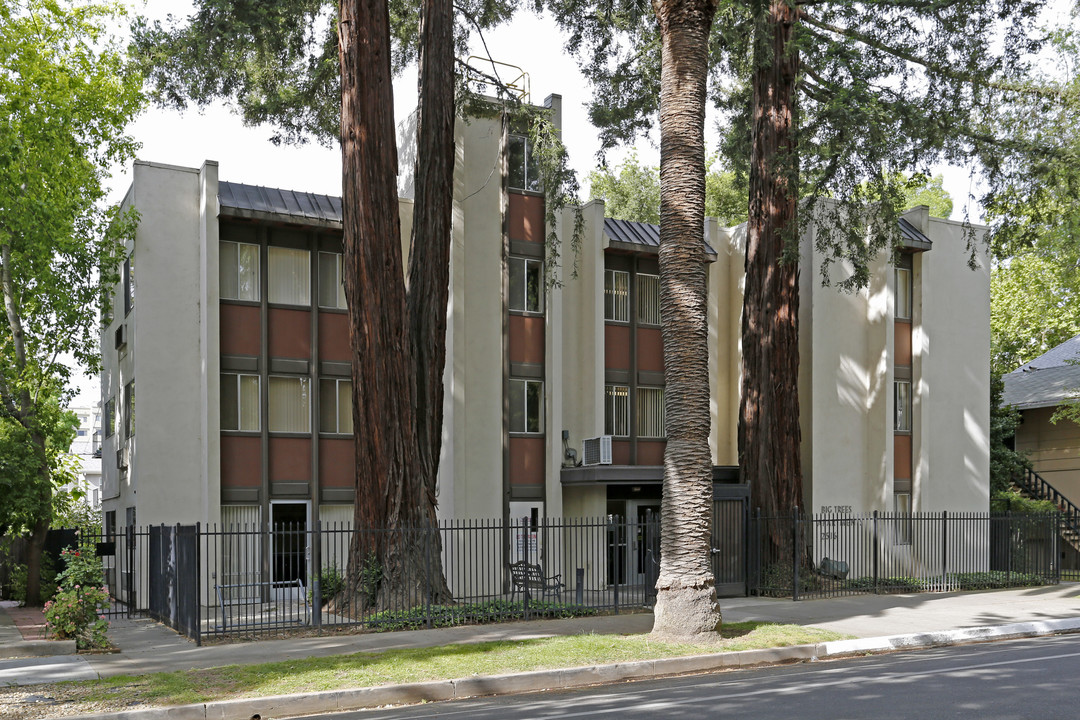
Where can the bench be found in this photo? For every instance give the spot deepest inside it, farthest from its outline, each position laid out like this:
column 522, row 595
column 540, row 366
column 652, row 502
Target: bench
column 528, row 578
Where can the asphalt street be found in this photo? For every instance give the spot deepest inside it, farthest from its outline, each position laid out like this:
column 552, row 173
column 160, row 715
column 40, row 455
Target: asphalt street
column 1031, row 679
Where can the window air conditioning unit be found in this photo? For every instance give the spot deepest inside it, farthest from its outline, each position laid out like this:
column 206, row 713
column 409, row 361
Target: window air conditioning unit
column 121, row 336
column 121, row 459
column 596, row 451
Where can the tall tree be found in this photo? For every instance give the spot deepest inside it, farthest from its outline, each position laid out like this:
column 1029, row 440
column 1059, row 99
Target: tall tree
column 275, row 60
column 686, row 594
column 65, row 98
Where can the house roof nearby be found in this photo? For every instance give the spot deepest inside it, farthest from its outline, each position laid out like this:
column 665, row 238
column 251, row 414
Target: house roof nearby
column 913, row 237
column 628, row 233
column 1046, row 381
column 240, row 200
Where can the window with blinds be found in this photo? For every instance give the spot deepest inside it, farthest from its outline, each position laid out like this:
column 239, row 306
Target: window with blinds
column 238, row 271
column 648, row 299
column 526, row 406
column 617, row 410
column 617, row 295
column 290, row 405
column 335, row 406
column 240, row 402
column 902, row 406
column 289, row 276
column 331, row 280
column 650, row 413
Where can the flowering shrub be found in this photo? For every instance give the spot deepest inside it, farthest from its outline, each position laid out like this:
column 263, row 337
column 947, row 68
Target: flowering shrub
column 76, row 611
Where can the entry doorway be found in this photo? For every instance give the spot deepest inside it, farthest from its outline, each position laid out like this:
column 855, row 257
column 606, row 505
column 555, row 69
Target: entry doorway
column 290, row 550
column 644, row 516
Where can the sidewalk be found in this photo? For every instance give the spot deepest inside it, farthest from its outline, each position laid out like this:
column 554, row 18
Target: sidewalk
column 936, row 619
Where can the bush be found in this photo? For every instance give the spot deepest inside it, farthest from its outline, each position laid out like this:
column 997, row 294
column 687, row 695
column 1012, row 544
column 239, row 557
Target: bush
column 331, row 582
column 48, row 579
column 77, row 611
column 472, row 613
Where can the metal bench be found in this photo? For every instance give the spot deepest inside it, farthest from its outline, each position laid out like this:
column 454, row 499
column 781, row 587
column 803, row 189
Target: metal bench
column 528, row 578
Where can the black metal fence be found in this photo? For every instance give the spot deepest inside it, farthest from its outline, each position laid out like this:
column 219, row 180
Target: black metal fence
column 223, row 581
column 834, row 555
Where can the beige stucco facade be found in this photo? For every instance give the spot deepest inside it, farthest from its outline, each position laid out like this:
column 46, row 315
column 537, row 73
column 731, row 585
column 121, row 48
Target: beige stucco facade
column 1053, row 448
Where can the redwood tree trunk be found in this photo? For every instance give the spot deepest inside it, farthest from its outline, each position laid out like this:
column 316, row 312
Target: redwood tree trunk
column 686, row 594
column 769, row 435
column 394, row 561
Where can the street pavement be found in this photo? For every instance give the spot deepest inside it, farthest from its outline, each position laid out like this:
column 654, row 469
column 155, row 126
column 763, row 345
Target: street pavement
column 879, row 622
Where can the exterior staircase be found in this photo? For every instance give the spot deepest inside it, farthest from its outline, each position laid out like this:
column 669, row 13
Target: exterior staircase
column 1036, row 487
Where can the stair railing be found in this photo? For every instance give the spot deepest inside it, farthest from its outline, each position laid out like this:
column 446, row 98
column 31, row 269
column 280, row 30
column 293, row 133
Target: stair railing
column 1036, row 486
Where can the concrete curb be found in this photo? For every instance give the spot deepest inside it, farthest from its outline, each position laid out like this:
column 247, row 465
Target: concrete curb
column 568, row 678
column 37, row 648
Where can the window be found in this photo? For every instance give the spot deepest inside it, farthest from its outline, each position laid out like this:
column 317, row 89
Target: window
column 240, row 402
column 290, row 406
column 648, row 299
column 332, row 280
column 110, row 417
column 81, row 432
column 526, row 285
column 129, row 284
column 902, row 504
column 238, row 271
column 617, row 410
column 526, row 406
column 522, row 173
column 335, row 406
column 289, row 281
column 129, row 409
column 617, row 295
column 650, row 413
column 903, row 293
column 902, row 406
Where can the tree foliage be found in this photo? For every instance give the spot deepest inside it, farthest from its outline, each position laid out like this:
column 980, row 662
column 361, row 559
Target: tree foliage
column 1035, row 306
column 1005, row 463
column 631, row 191
column 67, row 94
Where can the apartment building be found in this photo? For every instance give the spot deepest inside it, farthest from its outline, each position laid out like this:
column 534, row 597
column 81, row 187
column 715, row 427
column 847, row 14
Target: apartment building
column 227, row 384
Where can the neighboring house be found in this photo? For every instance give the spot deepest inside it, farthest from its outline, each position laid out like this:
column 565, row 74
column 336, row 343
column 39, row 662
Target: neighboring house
column 87, row 448
column 1037, row 389
column 227, row 379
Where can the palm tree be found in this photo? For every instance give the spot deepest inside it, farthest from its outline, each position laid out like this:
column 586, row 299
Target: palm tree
column 686, row 596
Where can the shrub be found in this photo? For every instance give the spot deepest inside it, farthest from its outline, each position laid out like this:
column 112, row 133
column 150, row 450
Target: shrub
column 48, row 579
column 331, row 582
column 472, row 613
column 77, row 611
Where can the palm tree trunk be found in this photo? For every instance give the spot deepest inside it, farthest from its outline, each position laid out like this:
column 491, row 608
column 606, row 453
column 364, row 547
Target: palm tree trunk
column 686, row 595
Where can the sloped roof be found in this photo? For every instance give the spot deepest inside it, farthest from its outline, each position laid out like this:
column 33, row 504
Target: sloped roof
column 1046, row 381
column 913, row 237
column 241, row 200
column 628, row 232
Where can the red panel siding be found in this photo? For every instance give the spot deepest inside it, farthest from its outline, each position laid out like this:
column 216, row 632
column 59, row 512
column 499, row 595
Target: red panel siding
column 290, row 459
column 337, row 460
column 526, row 461
column 620, row 452
column 241, row 461
column 902, row 457
column 650, row 350
column 617, row 347
column 290, row 333
column 651, row 452
column 240, row 330
column 525, row 216
column 902, row 340
column 334, row 337
column 526, row 339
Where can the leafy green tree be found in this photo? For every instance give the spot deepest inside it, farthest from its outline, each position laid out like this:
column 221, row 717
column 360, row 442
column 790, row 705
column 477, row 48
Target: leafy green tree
column 826, row 104
column 1034, row 307
column 920, row 190
column 66, row 95
column 1005, row 463
column 632, row 192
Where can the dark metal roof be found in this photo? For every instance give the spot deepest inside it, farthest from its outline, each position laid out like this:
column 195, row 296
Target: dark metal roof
column 638, row 233
column 254, row 200
column 1046, row 381
column 913, row 237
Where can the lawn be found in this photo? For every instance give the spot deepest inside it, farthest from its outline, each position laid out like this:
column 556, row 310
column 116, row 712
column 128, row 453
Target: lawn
column 383, row 668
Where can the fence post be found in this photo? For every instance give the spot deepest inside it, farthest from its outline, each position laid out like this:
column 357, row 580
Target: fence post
column 427, row 572
column 1008, row 548
column 877, row 553
column 944, row 550
column 198, row 585
column 316, row 582
column 746, row 546
column 795, row 554
column 613, row 533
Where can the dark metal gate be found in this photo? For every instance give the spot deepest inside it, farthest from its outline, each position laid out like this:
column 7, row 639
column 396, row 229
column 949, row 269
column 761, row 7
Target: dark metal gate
column 174, row 578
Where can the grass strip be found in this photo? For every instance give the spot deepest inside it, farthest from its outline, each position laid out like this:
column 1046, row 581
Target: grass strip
column 404, row 666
